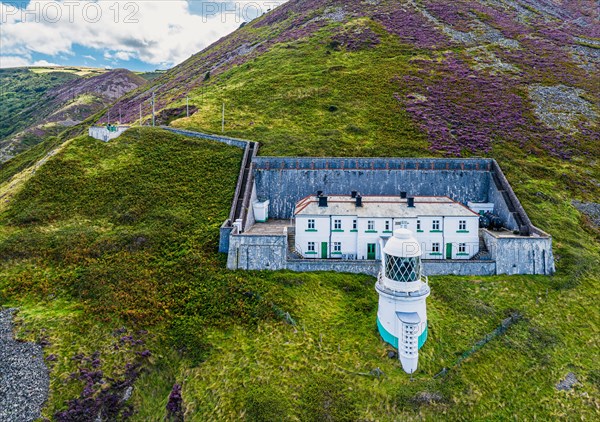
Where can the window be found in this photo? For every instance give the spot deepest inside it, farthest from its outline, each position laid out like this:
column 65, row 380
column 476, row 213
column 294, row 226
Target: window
column 337, row 224
column 354, row 224
column 418, row 224
column 337, row 246
column 311, row 224
column 402, row 269
column 435, row 247
column 435, row 225
column 371, row 225
column 462, row 248
column 311, row 246
column 387, row 225
column 462, row 225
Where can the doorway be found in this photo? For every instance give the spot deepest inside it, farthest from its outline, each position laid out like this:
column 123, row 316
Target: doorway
column 324, row 250
column 371, row 250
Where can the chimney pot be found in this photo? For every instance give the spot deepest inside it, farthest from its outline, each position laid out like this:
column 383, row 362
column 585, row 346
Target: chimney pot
column 403, row 195
column 354, row 193
column 411, row 202
column 359, row 201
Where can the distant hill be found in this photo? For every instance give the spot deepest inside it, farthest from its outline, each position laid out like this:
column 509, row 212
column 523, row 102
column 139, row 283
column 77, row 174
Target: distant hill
column 328, row 77
column 39, row 102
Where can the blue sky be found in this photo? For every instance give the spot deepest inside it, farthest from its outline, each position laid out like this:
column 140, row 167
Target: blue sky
column 138, row 35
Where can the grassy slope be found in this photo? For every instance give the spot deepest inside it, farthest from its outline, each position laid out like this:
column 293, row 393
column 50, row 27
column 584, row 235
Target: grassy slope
column 123, row 234
column 73, row 262
column 284, row 96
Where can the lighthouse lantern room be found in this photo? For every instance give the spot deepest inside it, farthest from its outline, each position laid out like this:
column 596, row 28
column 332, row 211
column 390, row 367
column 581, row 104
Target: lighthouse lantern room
column 402, row 289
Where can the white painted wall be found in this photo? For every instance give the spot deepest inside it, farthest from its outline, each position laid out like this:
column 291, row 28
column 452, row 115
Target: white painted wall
column 103, row 134
column 355, row 243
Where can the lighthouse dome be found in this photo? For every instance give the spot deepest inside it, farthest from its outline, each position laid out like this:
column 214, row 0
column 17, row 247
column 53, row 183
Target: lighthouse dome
column 402, row 244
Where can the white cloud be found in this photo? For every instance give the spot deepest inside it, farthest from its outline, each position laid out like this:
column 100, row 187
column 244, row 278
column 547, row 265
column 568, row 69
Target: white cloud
column 13, row 61
column 19, row 61
column 123, row 55
column 157, row 32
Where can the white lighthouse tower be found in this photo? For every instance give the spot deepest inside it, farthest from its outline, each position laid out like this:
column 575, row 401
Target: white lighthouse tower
column 402, row 313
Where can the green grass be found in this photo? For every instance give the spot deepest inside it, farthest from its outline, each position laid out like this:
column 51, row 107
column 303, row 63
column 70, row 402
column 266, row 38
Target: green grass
column 124, row 234
column 295, row 99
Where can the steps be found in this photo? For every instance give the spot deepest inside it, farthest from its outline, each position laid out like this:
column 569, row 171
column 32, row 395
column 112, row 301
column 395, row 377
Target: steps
column 483, row 254
column 292, row 252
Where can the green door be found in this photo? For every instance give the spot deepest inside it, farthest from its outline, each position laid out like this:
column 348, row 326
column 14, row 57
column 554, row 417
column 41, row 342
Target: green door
column 370, row 250
column 324, row 250
column 448, row 250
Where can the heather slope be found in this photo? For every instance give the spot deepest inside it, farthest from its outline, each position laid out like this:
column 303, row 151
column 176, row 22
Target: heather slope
column 37, row 103
column 388, row 78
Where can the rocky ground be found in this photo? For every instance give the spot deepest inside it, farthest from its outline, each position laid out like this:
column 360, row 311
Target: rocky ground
column 591, row 209
column 24, row 379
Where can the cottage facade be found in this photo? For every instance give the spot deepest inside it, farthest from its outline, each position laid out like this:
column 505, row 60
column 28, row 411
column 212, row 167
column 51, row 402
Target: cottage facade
column 357, row 227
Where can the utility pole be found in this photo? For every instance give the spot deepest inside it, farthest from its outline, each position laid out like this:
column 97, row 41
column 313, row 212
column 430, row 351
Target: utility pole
column 153, row 118
column 223, row 119
column 187, row 106
column 120, row 114
column 109, row 116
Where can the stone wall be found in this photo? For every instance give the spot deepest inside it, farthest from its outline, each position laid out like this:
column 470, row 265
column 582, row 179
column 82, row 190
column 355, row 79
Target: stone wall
column 520, row 255
column 458, row 267
column 284, row 181
column 250, row 252
column 270, row 252
column 337, row 265
column 239, row 143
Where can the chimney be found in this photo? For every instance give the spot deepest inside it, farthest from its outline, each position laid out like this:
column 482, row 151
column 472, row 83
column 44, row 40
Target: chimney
column 359, row 201
column 319, row 192
column 411, row 202
column 353, row 194
column 322, row 201
column 403, row 195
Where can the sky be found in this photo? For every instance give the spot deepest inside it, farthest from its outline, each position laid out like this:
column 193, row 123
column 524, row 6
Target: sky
column 137, row 35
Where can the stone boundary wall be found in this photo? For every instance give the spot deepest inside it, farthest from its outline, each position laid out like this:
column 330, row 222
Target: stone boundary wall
column 248, row 252
column 239, row 143
column 520, row 255
column 284, row 181
column 270, row 252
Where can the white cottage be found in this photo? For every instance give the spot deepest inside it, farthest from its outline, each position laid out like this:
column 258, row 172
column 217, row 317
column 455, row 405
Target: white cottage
column 357, row 227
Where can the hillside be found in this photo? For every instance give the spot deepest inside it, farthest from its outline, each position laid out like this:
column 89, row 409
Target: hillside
column 39, row 102
column 118, row 241
column 109, row 249
column 396, row 78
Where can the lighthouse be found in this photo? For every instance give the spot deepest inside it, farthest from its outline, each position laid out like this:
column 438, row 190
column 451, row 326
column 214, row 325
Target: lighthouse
column 403, row 290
